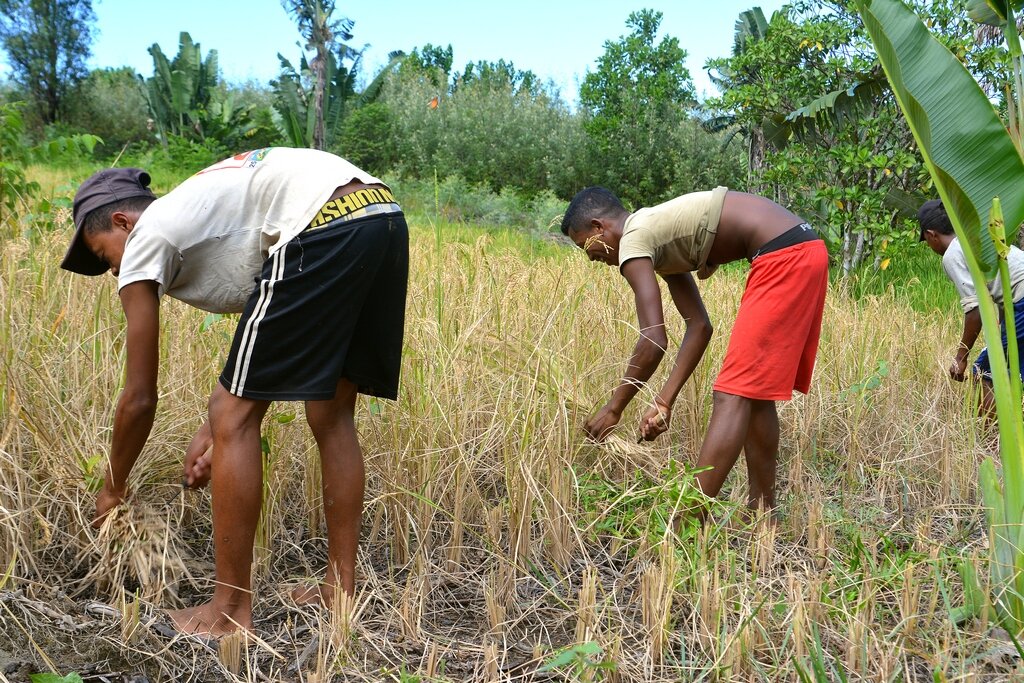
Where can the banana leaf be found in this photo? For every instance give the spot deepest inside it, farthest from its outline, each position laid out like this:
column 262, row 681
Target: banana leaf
column 991, row 12
column 977, row 169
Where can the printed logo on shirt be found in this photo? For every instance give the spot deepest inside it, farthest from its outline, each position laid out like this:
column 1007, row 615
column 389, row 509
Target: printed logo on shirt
column 243, row 160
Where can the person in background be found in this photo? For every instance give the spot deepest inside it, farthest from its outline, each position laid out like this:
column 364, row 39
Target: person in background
column 937, row 232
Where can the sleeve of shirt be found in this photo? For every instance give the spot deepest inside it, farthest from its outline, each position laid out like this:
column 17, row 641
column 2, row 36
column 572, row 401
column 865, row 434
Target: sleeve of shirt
column 635, row 244
column 1016, row 263
column 149, row 256
column 957, row 271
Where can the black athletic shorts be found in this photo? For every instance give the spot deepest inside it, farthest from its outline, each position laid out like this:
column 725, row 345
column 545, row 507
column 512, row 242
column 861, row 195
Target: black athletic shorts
column 330, row 304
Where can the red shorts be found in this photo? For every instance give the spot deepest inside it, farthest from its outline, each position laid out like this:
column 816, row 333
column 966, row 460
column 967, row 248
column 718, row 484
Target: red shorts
column 775, row 338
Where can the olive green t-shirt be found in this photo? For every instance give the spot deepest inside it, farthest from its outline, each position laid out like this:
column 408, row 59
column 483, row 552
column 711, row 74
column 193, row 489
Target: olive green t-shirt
column 676, row 235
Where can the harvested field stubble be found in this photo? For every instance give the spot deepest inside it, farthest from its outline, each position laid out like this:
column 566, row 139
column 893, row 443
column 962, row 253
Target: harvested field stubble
column 494, row 537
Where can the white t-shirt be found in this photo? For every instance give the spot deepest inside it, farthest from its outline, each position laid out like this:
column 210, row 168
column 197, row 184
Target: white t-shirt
column 205, row 242
column 955, row 264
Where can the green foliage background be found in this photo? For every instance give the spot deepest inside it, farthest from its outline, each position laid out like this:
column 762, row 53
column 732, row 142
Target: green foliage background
column 803, row 116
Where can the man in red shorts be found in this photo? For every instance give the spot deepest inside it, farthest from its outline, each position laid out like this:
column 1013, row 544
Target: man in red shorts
column 774, row 340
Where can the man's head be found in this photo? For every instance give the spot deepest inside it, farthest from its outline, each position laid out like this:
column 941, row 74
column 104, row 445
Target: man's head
column 594, row 222
column 936, row 229
column 106, row 207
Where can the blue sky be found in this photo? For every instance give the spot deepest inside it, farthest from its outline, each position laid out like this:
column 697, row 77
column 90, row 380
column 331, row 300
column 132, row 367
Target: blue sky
column 560, row 40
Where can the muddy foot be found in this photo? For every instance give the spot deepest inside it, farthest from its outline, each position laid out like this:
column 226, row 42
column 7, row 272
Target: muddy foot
column 313, row 594
column 205, row 620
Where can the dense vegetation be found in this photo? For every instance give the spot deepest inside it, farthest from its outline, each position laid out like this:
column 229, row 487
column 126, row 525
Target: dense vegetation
column 803, row 114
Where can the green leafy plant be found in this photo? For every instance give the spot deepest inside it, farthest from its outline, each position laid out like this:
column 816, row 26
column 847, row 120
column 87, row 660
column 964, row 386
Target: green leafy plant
column 92, row 469
column 870, row 383
column 583, row 662
column 823, row 136
column 209, row 321
column 55, row 678
column 185, row 99
column 15, row 155
column 638, row 93
column 816, row 668
column 315, row 99
column 1001, row 14
column 644, row 507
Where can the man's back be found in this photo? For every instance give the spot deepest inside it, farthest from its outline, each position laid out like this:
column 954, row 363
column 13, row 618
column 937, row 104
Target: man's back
column 205, row 241
column 954, row 262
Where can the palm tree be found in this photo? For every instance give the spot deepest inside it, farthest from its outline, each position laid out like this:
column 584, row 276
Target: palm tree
column 324, row 35
column 751, row 27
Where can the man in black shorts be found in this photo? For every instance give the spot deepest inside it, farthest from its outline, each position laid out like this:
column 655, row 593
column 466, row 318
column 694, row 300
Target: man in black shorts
column 313, row 252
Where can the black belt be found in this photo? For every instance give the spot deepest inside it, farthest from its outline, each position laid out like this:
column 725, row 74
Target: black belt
column 795, row 235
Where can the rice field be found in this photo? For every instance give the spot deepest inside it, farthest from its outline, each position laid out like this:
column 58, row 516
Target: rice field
column 499, row 545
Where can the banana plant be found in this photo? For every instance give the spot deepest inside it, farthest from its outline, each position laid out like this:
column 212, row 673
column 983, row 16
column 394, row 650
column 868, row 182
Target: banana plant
column 180, row 88
column 294, row 95
column 979, row 174
column 183, row 96
column 1002, row 14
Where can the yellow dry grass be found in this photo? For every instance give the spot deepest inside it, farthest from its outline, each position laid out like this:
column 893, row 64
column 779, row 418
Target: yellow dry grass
column 493, row 533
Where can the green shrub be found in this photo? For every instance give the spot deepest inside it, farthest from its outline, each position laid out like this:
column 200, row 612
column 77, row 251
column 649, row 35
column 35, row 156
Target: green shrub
column 110, row 103
column 367, row 138
column 17, row 192
column 486, row 133
column 455, row 200
column 258, row 101
column 177, row 161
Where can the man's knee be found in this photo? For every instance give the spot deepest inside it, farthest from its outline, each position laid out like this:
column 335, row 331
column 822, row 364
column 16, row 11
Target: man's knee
column 232, row 414
column 328, row 418
column 325, row 417
column 722, row 400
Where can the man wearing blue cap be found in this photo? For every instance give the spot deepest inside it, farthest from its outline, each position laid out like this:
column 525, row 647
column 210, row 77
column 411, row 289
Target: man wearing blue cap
column 313, row 252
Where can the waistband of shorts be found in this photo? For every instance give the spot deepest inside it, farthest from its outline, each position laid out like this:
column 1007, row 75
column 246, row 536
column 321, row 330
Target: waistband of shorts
column 368, row 201
column 802, row 232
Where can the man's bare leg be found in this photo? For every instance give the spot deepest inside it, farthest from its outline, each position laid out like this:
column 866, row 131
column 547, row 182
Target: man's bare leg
column 237, row 499
column 761, row 451
column 341, row 466
column 726, row 435
column 987, row 407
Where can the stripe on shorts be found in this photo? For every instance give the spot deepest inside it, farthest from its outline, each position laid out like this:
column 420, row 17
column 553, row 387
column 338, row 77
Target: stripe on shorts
column 248, row 343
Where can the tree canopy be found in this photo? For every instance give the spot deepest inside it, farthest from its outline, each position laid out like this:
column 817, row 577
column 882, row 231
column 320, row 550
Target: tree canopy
column 47, row 43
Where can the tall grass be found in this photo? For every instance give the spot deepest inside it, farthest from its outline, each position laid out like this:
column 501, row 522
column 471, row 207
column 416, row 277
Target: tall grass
column 496, row 541
column 914, row 276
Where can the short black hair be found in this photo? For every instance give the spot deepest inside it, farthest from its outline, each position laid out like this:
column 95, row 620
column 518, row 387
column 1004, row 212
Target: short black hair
column 590, row 203
column 98, row 220
column 932, row 216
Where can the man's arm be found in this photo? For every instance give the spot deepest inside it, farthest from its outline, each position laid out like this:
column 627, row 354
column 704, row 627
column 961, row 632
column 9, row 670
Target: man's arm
column 133, row 418
column 695, row 341
column 639, row 273
column 972, row 328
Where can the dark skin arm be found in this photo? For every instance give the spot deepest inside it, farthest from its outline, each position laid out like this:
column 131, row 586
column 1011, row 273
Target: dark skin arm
column 136, row 407
column 695, row 341
column 972, row 328
column 647, row 353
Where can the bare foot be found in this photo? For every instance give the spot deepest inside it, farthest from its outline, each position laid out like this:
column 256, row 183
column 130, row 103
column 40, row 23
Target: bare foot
column 313, row 594
column 207, row 620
